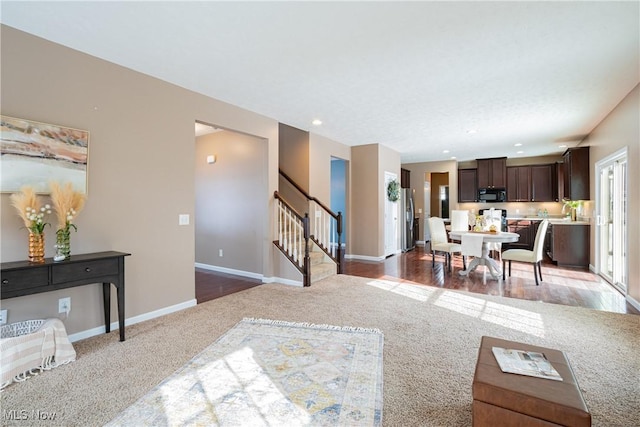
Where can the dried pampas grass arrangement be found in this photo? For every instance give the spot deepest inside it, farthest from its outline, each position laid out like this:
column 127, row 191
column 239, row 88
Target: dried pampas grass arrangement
column 30, row 209
column 67, row 203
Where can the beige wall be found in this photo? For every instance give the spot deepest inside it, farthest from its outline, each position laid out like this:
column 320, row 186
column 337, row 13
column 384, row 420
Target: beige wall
column 364, row 230
column 388, row 161
column 141, row 172
column 321, row 150
column 368, row 198
column 621, row 129
column 229, row 203
column 294, row 154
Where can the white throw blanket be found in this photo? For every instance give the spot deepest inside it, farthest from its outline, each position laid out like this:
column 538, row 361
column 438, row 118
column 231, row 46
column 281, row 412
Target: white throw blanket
column 472, row 244
column 44, row 349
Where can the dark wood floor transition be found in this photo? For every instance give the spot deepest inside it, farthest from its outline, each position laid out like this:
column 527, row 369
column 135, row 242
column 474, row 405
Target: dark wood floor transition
column 567, row 286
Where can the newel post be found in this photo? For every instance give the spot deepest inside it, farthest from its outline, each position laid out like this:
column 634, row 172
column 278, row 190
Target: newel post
column 307, row 260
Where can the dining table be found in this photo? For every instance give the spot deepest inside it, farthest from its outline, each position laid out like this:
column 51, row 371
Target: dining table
column 488, row 237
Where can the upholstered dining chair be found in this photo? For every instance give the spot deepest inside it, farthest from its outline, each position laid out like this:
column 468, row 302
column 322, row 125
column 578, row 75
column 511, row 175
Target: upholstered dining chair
column 440, row 242
column 459, row 220
column 523, row 255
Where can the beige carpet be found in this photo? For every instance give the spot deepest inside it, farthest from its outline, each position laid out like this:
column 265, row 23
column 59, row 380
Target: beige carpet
column 430, row 348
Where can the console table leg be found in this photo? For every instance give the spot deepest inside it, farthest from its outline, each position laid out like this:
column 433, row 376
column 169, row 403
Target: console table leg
column 120, row 292
column 106, row 300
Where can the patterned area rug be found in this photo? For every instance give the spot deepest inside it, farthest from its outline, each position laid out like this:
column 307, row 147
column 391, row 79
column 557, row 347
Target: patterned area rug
column 272, row 373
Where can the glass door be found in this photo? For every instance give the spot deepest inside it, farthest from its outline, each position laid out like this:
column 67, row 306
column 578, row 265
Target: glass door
column 612, row 220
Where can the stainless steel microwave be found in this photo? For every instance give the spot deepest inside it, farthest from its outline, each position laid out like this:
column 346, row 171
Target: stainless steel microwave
column 492, row 195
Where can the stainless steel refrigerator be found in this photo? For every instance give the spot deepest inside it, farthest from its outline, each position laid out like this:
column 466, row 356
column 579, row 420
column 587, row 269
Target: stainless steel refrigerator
column 406, row 220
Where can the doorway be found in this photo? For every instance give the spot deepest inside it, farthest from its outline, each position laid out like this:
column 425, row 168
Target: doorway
column 338, row 195
column 390, row 219
column 611, row 226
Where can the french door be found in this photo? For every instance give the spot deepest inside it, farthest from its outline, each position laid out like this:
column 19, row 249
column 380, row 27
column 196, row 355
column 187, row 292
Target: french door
column 612, row 219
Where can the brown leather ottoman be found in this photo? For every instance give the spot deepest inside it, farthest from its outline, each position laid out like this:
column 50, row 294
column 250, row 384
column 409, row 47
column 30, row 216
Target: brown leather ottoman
column 503, row 399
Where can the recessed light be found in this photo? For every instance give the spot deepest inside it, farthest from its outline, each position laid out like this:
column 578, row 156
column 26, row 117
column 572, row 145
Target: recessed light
column 472, row 131
column 316, row 122
column 520, row 152
column 517, row 145
column 562, row 145
column 453, row 157
column 445, row 151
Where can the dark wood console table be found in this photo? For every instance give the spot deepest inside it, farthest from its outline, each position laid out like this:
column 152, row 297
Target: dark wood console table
column 22, row 278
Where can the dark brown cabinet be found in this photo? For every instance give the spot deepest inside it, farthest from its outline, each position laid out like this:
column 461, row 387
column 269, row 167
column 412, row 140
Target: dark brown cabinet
column 526, row 229
column 542, row 183
column 405, row 178
column 519, row 184
column 467, row 185
column 568, row 244
column 492, row 173
column 532, row 183
column 576, row 173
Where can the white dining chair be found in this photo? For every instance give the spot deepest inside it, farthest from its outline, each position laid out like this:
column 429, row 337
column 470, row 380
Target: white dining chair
column 440, row 242
column 459, row 220
column 523, row 255
column 493, row 217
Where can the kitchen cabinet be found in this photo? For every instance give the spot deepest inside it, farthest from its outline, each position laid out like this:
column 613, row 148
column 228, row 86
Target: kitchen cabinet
column 558, row 183
column 518, row 183
column 492, row 173
column 542, row 183
column 531, row 183
column 405, row 178
column 568, row 244
column 526, row 229
column 467, row 185
column 576, row 173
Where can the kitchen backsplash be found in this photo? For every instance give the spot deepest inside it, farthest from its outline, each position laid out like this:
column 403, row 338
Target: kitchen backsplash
column 529, row 209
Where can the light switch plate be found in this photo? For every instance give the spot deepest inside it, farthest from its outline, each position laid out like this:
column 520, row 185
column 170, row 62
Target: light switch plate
column 3, row 317
column 183, row 219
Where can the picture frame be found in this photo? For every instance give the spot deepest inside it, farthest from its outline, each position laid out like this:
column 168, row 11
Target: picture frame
column 34, row 154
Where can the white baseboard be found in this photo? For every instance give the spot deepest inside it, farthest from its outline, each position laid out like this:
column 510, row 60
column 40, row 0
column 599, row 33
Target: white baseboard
column 420, row 243
column 132, row 320
column 364, row 257
column 242, row 273
column 281, row 280
column 635, row 304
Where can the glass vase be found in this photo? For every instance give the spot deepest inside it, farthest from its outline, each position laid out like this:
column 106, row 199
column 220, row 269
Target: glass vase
column 36, row 247
column 63, row 244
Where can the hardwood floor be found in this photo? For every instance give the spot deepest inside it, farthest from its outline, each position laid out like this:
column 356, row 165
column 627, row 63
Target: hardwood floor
column 567, row 286
column 212, row 284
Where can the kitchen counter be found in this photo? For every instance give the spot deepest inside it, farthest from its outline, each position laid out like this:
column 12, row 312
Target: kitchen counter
column 558, row 221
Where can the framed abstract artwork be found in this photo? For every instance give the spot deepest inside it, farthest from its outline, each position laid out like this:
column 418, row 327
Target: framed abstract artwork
column 34, row 154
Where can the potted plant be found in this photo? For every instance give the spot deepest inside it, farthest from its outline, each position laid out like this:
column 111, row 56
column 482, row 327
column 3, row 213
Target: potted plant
column 573, row 206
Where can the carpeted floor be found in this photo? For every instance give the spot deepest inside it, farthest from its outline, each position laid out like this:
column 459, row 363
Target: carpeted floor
column 430, row 349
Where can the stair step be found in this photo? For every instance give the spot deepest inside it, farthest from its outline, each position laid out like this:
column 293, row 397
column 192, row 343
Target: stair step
column 316, row 258
column 322, row 271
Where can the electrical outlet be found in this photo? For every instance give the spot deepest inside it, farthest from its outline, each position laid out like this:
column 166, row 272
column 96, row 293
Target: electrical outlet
column 64, row 305
column 3, row 317
column 220, row 253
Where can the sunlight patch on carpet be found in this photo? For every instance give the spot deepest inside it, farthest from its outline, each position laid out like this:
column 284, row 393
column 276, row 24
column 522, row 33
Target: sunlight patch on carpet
column 419, row 293
column 499, row 314
column 272, row 373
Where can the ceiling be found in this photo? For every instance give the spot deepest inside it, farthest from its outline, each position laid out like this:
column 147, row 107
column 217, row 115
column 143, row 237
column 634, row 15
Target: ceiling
column 417, row 77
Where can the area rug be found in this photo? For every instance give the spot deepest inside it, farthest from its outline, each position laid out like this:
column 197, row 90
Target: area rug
column 272, row 373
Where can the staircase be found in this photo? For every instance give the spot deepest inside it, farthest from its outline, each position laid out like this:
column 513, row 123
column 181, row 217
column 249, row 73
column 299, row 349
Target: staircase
column 321, row 265
column 312, row 245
